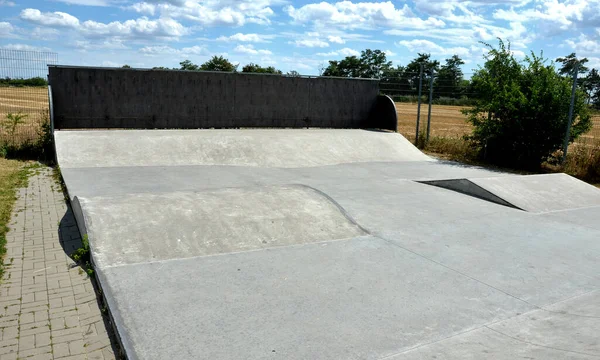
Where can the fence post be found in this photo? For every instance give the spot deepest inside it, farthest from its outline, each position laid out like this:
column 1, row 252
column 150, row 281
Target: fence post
column 419, row 106
column 568, row 133
column 430, row 100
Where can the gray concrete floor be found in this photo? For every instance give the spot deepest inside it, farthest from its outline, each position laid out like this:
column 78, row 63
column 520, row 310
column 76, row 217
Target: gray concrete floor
column 48, row 307
column 352, row 259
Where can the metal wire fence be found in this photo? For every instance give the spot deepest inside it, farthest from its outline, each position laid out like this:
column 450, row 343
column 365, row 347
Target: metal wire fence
column 444, row 112
column 23, row 95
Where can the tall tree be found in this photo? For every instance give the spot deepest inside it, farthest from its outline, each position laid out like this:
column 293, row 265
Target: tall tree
column 591, row 85
column 350, row 66
column 448, row 81
column 568, row 64
column 255, row 68
column 413, row 69
column 218, row 63
column 371, row 64
column 375, row 63
column 188, row 65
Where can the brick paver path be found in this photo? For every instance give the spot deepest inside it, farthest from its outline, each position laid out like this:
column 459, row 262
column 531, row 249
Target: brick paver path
column 48, row 306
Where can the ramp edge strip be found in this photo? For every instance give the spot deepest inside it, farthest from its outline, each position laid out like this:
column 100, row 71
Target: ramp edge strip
column 124, row 347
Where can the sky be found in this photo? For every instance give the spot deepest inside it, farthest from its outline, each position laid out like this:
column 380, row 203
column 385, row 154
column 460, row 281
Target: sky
column 299, row 35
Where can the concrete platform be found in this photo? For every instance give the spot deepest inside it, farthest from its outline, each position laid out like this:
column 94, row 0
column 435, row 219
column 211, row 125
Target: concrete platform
column 533, row 193
column 326, row 250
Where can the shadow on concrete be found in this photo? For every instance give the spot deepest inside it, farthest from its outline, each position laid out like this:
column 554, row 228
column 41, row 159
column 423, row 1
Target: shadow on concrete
column 70, row 240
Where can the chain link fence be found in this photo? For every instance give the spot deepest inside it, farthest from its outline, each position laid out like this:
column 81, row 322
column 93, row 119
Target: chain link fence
column 444, row 112
column 23, row 95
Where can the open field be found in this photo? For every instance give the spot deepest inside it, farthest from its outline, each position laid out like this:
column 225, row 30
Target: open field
column 448, row 121
column 32, row 101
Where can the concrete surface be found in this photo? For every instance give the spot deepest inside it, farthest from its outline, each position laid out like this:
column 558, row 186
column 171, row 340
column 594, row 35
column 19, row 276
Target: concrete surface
column 542, row 193
column 362, row 262
column 48, row 307
column 101, row 98
column 258, row 148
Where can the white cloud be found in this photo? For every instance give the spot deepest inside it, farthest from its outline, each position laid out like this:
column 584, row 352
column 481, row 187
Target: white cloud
column 335, row 39
column 366, row 15
column 450, row 10
column 53, row 19
column 6, row 3
column 161, row 50
column 144, row 8
column 255, row 38
column 6, row 29
column 249, row 49
column 138, row 28
column 564, row 13
column 25, row 47
column 87, row 2
column 109, row 44
column 426, row 46
column 44, row 33
column 389, row 53
column 142, row 27
column 311, row 43
column 211, row 12
column 584, row 45
column 341, row 52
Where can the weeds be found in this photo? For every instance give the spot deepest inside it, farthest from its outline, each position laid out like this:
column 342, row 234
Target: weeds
column 82, row 256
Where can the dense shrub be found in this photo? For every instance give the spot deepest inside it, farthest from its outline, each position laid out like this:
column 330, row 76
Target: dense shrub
column 521, row 116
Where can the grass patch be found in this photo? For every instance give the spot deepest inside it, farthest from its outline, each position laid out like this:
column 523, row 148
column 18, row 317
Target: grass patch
column 450, row 148
column 582, row 162
column 13, row 175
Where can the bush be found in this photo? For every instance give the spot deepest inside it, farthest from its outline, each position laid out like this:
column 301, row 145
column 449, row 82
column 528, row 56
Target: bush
column 522, row 114
column 42, row 148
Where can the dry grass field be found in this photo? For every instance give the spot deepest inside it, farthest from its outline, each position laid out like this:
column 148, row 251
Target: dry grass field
column 31, row 101
column 448, row 121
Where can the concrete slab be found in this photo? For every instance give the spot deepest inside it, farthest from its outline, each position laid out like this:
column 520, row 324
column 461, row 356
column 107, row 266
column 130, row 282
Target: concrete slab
column 361, row 261
column 267, row 148
column 542, row 193
column 147, row 227
column 362, row 298
column 112, row 181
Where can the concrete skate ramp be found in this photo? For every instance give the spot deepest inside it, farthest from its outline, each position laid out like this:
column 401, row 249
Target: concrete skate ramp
column 533, row 193
column 209, row 222
column 261, row 148
column 256, row 244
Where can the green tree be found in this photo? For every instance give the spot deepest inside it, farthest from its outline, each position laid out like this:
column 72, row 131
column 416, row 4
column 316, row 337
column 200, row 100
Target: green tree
column 591, row 85
column 395, row 81
column 188, row 65
column 350, row 66
column 375, row 63
column 371, row 64
column 293, row 73
column 522, row 114
column 218, row 63
column 568, row 64
column 413, row 69
column 448, row 81
column 255, row 68
column 125, row 67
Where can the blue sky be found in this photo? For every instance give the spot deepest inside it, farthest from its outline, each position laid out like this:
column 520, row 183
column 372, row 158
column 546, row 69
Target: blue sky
column 294, row 35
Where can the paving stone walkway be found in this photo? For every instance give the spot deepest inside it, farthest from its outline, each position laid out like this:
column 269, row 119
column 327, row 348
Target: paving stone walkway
column 48, row 305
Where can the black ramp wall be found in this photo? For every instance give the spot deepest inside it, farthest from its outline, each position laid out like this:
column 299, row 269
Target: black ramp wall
column 162, row 99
